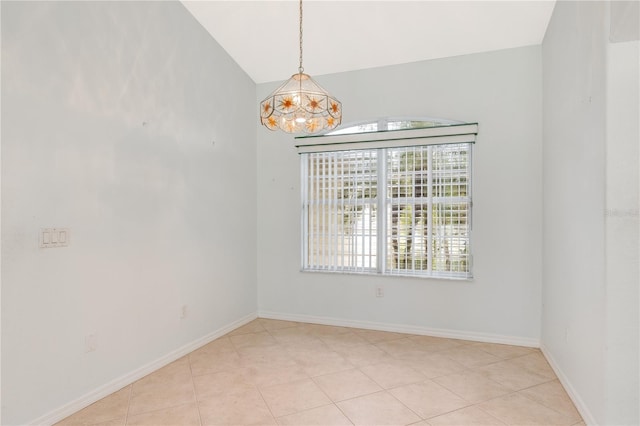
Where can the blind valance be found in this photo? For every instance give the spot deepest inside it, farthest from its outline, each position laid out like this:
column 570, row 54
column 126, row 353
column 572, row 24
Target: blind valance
column 440, row 135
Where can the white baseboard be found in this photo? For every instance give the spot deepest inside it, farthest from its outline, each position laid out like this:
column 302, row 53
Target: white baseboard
column 125, row 380
column 575, row 397
column 410, row 329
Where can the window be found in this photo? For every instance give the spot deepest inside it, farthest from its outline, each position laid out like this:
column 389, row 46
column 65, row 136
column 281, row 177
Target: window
column 399, row 205
column 392, row 124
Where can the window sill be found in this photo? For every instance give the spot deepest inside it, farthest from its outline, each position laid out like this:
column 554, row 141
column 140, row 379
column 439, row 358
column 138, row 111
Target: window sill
column 378, row 274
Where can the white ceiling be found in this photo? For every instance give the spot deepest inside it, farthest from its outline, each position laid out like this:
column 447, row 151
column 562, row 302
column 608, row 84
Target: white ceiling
column 262, row 36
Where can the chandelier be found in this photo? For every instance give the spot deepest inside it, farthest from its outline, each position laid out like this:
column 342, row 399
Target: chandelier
column 300, row 105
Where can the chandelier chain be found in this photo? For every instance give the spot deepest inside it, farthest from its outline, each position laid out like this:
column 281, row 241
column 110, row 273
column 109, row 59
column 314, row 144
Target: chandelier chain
column 300, row 68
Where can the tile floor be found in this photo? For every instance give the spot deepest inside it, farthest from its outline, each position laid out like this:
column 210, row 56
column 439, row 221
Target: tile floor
column 272, row 372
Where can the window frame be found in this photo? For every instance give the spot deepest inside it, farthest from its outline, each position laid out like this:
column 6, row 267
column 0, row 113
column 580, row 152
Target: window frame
column 382, row 141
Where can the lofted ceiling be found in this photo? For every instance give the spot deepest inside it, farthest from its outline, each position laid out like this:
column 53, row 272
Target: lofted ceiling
column 262, row 36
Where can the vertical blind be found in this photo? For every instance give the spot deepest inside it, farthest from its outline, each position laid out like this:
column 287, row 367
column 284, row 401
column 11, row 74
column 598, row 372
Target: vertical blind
column 394, row 210
column 340, row 193
column 429, row 206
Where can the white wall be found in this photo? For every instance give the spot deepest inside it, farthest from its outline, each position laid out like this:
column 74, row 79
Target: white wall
column 574, row 196
column 622, row 221
column 109, row 114
column 502, row 92
column 590, row 245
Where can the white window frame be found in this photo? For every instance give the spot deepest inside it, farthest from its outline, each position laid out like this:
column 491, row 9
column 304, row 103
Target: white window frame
column 382, row 141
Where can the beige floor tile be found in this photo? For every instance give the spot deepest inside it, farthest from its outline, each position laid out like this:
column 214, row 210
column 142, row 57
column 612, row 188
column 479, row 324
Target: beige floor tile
column 213, row 362
column 305, row 344
column 377, row 409
column 535, row 363
column 469, row 416
column 246, row 408
column 428, row 399
column 325, row 330
column 432, row 364
column 503, row 351
column 262, row 338
column 184, row 415
column 225, row 382
column 374, row 336
column 271, row 324
column 343, row 341
column 347, row 384
column 266, row 375
column 553, row 395
column 436, row 344
column 254, row 326
column 416, row 355
column 178, row 371
column 293, row 397
column 275, row 355
column 298, row 340
column 222, row 344
column 390, row 375
column 469, row 356
column 515, row 409
column 111, row 408
column 115, row 422
column 163, row 395
column 511, row 375
column 472, row 386
column 328, row 415
column 167, row 387
column 363, row 355
column 292, row 334
column 400, row 347
column 317, row 363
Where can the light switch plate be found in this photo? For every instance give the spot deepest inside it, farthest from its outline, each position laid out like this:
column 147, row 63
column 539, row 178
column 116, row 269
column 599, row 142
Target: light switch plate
column 54, row 237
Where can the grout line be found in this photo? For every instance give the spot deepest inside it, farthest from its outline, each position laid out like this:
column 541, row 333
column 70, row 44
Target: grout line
column 265, row 403
column 343, row 413
column 488, row 413
column 320, row 406
column 126, row 416
column 322, row 390
column 405, row 405
column 545, row 405
column 193, row 387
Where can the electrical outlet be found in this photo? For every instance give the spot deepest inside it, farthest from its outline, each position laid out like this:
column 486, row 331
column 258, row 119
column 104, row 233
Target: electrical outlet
column 183, row 312
column 90, row 343
column 379, row 291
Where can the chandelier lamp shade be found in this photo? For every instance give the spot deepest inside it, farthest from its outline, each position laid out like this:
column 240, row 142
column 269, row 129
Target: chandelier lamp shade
column 300, row 105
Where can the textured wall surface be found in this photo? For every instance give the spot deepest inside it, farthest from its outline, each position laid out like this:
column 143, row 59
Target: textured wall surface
column 502, row 92
column 622, row 221
column 590, row 261
column 574, row 60
column 126, row 123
